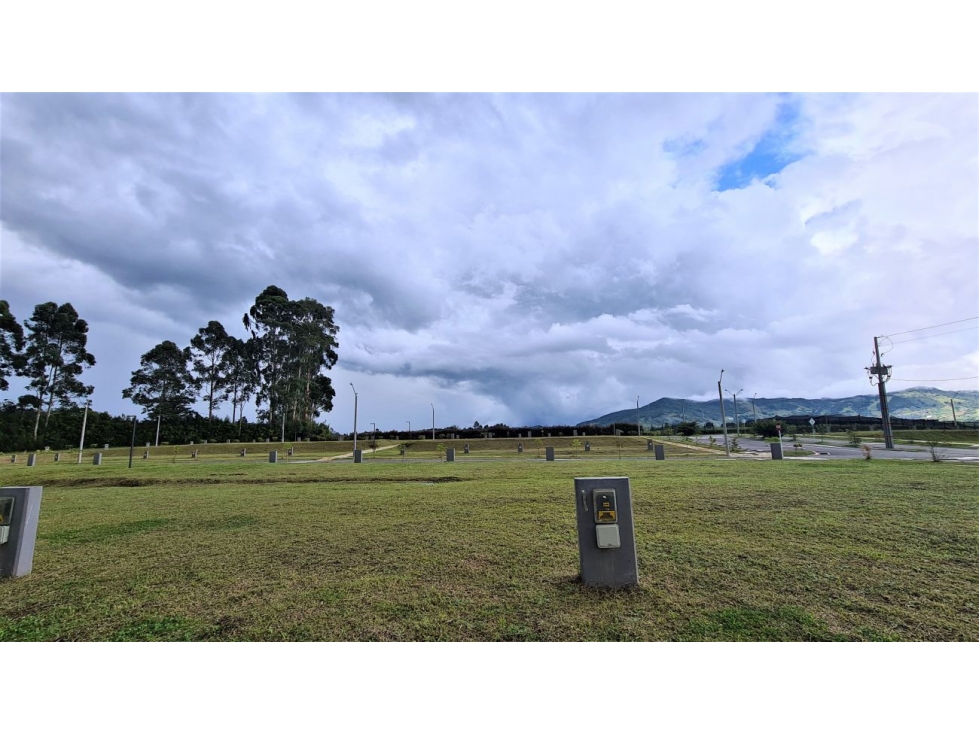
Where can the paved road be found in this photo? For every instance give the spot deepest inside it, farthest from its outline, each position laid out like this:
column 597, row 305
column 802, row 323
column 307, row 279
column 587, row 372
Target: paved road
column 840, row 449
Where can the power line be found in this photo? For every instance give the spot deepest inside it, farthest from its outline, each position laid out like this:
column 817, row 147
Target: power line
column 936, row 326
column 929, row 336
column 943, row 379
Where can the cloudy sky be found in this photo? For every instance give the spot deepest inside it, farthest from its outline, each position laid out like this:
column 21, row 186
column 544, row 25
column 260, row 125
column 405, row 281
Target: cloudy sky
column 523, row 258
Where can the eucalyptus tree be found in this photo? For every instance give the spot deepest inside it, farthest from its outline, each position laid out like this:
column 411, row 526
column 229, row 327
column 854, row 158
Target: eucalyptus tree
column 240, row 376
column 54, row 357
column 208, row 351
column 11, row 344
column 291, row 343
column 163, row 385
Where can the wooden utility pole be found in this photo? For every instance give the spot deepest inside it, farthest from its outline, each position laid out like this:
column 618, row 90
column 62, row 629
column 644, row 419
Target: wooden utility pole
column 883, row 373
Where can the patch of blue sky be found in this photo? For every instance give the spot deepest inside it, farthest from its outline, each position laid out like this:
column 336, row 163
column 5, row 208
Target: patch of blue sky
column 773, row 152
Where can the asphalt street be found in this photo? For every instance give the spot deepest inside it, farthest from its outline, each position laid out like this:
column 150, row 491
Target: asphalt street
column 831, row 448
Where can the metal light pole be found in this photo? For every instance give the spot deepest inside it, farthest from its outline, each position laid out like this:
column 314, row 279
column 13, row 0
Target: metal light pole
column 638, row 424
column 157, row 429
column 283, row 426
column 737, row 426
column 720, row 395
column 355, row 414
column 132, row 443
column 81, row 442
column 955, row 423
column 373, row 433
column 409, row 428
column 433, row 420
column 753, row 413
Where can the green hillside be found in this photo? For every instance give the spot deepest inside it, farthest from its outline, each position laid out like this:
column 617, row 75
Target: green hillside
column 915, row 402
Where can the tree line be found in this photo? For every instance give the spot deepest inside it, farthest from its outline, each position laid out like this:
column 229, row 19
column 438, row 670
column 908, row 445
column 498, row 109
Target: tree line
column 280, row 363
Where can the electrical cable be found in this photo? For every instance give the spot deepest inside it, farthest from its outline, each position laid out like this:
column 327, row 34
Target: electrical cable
column 929, row 336
column 942, row 379
column 936, row 326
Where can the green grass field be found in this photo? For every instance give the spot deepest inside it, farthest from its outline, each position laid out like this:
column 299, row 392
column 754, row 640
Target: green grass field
column 239, row 549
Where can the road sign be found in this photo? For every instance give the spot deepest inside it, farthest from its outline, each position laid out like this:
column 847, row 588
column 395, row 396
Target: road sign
column 812, row 422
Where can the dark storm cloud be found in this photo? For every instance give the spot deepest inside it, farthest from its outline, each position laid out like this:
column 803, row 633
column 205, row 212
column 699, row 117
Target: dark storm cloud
column 534, row 255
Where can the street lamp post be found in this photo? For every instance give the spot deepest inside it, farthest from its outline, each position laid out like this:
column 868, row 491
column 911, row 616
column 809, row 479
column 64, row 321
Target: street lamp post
column 433, row 420
column 753, row 413
column 132, row 443
column 720, row 396
column 157, row 430
column 81, row 443
column 737, row 426
column 355, row 414
column 955, row 423
column 638, row 424
column 409, row 428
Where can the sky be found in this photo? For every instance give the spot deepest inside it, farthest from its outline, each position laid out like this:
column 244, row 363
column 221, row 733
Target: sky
column 516, row 258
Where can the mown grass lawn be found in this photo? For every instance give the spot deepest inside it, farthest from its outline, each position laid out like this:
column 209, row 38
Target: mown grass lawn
column 391, row 550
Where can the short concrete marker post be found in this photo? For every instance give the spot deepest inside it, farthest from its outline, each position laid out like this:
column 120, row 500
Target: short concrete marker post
column 776, row 451
column 549, row 453
column 20, row 508
column 450, row 454
column 273, row 457
column 31, row 459
column 660, row 452
column 359, row 456
column 97, row 459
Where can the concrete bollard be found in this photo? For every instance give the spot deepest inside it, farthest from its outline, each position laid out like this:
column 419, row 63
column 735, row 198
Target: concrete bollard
column 466, row 449
column 519, row 448
column 273, row 457
column 549, row 453
column 450, row 454
column 13, row 458
column 243, row 452
column 193, row 454
column 290, row 451
column 97, row 459
column 57, row 457
column 660, row 452
column 146, row 454
column 649, row 445
column 358, row 456
column 776, row 451
column 587, row 445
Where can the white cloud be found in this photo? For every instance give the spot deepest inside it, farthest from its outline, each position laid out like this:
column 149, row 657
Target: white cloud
column 540, row 258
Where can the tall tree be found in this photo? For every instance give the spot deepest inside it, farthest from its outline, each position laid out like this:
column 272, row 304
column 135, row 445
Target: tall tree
column 291, row 343
column 240, row 376
column 55, row 356
column 11, row 344
column 163, row 385
column 208, row 350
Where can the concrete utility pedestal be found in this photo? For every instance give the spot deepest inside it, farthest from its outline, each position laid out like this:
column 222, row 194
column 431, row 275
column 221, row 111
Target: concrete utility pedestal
column 20, row 508
column 660, row 451
column 776, row 451
column 549, row 453
column 450, row 454
column 359, row 456
column 606, row 540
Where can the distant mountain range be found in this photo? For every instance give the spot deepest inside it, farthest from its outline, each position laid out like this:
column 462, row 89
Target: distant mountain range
column 915, row 402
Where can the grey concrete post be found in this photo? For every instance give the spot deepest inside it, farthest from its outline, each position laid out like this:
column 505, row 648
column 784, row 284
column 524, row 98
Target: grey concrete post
column 273, row 457
column 193, row 454
column 649, row 445
column 31, row 459
column 146, row 454
column 575, row 431
column 450, row 454
column 519, row 448
column 97, row 459
column 290, row 451
column 587, row 445
column 606, row 548
column 13, row 458
column 57, row 457
column 466, row 449
column 776, row 450
column 359, row 456
column 243, row 452
column 549, row 453
column 19, row 511
column 660, row 452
